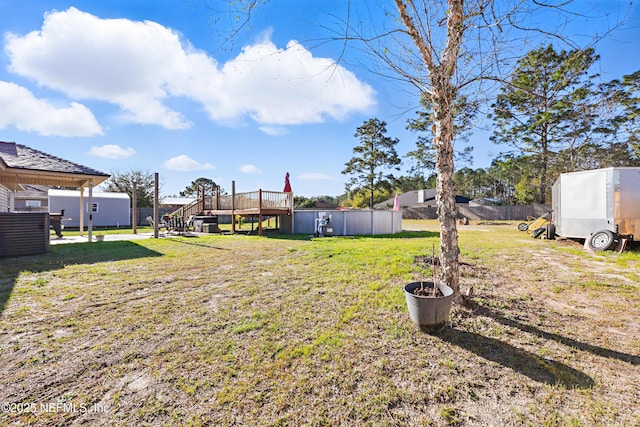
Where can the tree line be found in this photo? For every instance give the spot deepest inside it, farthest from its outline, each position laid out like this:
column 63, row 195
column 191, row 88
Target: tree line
column 552, row 112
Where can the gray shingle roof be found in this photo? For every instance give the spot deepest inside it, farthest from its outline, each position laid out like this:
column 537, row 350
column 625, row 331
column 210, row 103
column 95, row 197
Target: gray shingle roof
column 19, row 156
column 33, row 192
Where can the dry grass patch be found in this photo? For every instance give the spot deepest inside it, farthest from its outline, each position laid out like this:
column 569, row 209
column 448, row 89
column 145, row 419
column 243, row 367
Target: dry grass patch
column 224, row 330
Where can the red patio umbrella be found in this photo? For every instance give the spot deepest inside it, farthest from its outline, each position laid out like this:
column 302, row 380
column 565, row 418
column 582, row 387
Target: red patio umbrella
column 287, row 184
column 396, row 203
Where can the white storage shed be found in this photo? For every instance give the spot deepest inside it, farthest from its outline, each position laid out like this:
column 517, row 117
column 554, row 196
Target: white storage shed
column 107, row 209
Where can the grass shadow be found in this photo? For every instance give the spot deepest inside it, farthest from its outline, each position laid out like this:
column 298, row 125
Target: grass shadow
column 61, row 255
column 188, row 241
column 593, row 349
column 403, row 235
column 537, row 368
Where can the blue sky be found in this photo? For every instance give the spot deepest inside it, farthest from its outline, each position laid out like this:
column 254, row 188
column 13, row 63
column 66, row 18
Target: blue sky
column 151, row 85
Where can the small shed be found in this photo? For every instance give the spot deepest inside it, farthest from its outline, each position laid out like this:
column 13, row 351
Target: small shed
column 107, row 209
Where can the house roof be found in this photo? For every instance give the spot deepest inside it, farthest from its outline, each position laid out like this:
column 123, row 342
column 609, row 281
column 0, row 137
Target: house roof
column 417, row 197
column 408, row 198
column 20, row 164
column 32, row 192
column 323, row 204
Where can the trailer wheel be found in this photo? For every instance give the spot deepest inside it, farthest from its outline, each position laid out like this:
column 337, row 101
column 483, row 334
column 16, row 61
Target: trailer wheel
column 551, row 231
column 601, row 240
column 523, row 226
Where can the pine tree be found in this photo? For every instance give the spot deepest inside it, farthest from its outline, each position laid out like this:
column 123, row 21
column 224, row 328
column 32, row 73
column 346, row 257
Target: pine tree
column 375, row 155
column 547, row 105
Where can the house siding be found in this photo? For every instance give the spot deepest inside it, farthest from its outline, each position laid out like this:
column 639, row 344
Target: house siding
column 7, row 202
column 21, row 205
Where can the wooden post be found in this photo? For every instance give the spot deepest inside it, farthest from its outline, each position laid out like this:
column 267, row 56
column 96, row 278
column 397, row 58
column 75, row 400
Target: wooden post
column 260, row 212
column 90, row 228
column 201, row 199
column 233, row 206
column 291, row 199
column 134, row 216
column 81, row 211
column 211, row 195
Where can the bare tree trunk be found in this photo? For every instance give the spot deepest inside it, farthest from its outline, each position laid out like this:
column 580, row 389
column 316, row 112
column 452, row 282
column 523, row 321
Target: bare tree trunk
column 371, row 199
column 445, row 189
column 544, row 159
column 442, row 95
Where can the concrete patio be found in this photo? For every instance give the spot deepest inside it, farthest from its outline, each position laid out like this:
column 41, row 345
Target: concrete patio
column 107, row 238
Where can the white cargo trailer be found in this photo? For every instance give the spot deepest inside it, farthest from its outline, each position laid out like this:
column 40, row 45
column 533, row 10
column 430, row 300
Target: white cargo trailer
column 601, row 206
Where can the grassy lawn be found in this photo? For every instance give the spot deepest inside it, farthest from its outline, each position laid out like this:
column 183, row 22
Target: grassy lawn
column 243, row 330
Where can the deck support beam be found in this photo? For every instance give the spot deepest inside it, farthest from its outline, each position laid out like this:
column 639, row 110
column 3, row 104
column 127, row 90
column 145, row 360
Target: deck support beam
column 260, row 212
column 233, row 207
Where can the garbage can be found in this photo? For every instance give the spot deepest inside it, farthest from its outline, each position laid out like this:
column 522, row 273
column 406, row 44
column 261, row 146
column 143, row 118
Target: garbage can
column 211, row 223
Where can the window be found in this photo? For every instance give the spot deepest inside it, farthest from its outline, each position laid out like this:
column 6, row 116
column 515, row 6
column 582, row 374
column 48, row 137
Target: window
column 94, row 207
column 32, row 203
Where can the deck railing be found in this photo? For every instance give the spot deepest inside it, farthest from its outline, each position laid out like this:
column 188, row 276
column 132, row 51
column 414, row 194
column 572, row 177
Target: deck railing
column 250, row 200
column 277, row 200
column 186, row 211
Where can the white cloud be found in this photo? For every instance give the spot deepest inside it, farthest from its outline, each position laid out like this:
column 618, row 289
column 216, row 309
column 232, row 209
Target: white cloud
column 140, row 65
column 21, row 109
column 185, row 163
column 250, row 169
column 287, row 86
column 115, row 60
column 274, row 130
column 316, row 177
column 111, row 151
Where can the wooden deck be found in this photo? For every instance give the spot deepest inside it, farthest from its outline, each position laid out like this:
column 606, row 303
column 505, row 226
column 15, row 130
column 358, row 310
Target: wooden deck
column 254, row 203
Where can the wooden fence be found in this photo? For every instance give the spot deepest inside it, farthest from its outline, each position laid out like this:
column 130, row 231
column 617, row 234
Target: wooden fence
column 482, row 213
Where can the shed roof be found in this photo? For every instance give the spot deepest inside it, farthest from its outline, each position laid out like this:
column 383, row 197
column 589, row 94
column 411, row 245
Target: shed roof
column 20, row 164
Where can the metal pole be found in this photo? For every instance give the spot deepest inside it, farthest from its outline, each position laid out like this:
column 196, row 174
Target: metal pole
column 135, row 207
